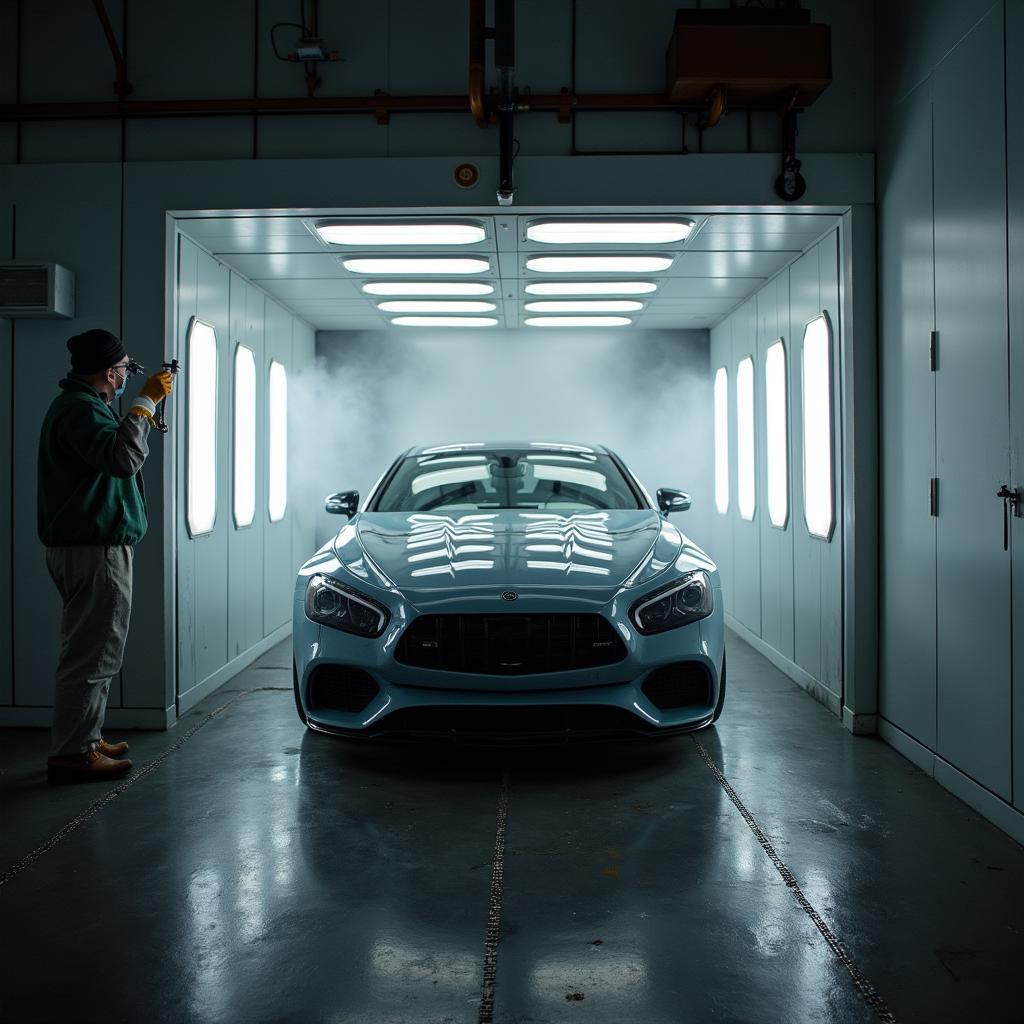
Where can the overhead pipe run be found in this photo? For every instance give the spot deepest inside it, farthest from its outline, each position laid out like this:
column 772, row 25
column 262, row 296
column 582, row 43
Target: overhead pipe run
column 122, row 87
column 505, row 61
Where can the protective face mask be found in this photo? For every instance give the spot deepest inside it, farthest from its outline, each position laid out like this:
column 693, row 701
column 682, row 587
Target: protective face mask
column 118, row 392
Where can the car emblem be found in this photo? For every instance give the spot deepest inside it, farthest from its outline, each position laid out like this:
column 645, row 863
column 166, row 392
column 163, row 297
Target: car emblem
column 509, row 595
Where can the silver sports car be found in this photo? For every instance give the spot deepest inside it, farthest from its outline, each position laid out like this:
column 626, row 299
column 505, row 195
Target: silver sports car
column 514, row 591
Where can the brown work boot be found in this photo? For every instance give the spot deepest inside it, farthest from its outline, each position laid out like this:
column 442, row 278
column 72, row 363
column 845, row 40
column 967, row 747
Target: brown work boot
column 85, row 767
column 112, row 749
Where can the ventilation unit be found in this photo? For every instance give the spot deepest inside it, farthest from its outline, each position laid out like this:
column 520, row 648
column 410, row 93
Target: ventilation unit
column 36, row 291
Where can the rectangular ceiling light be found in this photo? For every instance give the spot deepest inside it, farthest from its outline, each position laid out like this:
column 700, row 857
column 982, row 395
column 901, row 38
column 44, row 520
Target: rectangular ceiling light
column 610, row 232
column 414, row 233
column 591, row 288
column 416, row 265
column 586, row 306
column 404, row 306
column 428, row 288
column 443, row 321
column 598, row 264
column 578, row 321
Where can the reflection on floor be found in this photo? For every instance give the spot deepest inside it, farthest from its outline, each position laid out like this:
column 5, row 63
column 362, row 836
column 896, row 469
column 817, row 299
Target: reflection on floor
column 261, row 873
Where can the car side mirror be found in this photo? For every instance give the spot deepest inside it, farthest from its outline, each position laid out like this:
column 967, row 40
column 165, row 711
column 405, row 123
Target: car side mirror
column 344, row 503
column 671, row 500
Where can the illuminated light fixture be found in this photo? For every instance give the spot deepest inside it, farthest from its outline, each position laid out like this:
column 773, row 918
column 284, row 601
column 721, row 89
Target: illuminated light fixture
column 578, row 321
column 414, row 265
column 599, row 232
column 444, row 321
column 598, row 264
column 591, row 288
column 419, row 233
column 593, row 306
column 428, row 288
column 402, row 306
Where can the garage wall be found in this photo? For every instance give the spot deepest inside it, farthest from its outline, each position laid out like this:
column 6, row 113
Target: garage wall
column 952, row 626
column 234, row 583
column 783, row 588
column 645, row 394
column 226, row 47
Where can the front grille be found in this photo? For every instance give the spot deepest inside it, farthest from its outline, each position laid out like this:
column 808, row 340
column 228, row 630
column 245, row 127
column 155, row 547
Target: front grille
column 341, row 688
column 510, row 644
column 682, row 685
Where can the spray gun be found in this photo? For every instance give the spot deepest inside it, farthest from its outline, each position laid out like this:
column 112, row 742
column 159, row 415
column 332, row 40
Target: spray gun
column 161, row 422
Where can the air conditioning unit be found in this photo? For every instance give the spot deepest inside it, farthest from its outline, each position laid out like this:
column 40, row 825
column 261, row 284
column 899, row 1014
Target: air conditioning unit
column 36, row 291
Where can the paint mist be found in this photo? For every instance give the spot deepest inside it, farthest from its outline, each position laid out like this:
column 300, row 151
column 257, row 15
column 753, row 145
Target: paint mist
column 647, row 395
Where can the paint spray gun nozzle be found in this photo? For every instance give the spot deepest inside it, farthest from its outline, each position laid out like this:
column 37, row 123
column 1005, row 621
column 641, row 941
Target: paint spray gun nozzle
column 161, row 420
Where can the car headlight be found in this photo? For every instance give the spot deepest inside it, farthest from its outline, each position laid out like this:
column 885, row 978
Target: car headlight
column 685, row 601
column 334, row 604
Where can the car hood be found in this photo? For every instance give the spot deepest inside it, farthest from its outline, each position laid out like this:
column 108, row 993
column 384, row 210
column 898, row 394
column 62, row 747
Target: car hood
column 507, row 548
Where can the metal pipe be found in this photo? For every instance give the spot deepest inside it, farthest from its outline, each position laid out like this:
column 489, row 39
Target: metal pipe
column 552, row 103
column 122, row 87
column 477, row 62
column 505, row 61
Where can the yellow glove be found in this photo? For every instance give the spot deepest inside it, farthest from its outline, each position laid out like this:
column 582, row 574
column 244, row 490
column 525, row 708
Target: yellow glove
column 154, row 391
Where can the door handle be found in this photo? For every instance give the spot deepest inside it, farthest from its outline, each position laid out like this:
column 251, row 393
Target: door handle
column 1011, row 499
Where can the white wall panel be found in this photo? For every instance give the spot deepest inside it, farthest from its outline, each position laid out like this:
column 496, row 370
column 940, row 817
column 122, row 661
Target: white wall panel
column 972, row 415
column 721, row 548
column 907, row 449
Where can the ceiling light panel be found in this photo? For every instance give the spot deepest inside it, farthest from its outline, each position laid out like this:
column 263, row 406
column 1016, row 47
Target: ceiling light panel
column 591, row 287
column 577, row 321
column 421, row 233
column 440, row 306
column 598, row 264
column 428, row 288
column 610, row 232
column 585, row 306
column 444, row 321
column 412, row 265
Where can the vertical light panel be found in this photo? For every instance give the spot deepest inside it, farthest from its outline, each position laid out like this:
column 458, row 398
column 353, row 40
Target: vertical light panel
column 277, row 427
column 202, row 428
column 245, row 436
column 776, row 434
column 817, row 405
column 722, row 440
column 745, row 490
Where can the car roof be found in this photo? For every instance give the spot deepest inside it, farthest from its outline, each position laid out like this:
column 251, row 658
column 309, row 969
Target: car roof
column 541, row 446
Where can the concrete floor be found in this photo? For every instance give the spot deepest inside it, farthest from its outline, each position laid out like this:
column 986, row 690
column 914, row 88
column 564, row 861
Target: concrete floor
column 258, row 872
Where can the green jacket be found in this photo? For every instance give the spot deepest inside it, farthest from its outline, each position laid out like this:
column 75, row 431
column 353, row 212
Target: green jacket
column 90, row 487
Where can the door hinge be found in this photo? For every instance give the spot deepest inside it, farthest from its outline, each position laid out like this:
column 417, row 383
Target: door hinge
column 933, row 351
column 933, row 496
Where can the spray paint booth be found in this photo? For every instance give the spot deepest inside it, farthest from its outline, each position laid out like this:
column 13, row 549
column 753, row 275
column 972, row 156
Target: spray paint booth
column 796, row 362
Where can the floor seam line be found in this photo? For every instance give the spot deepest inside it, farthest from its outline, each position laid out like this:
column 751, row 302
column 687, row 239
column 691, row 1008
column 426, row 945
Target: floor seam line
column 493, row 930
column 97, row 805
column 864, row 987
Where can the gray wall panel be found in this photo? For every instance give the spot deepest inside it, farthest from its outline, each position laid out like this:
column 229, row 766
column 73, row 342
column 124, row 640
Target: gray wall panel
column 973, row 571
column 40, row 360
column 907, row 387
column 6, row 428
column 236, row 580
column 1015, row 182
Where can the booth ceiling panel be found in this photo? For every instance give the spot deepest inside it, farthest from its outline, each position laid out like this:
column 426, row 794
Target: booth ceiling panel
column 726, row 258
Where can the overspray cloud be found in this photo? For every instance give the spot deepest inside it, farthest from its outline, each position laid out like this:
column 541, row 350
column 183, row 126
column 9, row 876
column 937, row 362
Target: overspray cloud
column 370, row 395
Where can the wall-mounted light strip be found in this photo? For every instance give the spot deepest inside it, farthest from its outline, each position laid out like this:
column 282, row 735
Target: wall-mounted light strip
column 414, row 265
column 609, row 232
column 428, row 288
column 598, row 264
column 415, row 233
column 591, row 288
column 578, row 321
column 444, row 321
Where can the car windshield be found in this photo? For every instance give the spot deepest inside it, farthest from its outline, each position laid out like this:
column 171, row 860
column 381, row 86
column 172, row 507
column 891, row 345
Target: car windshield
column 456, row 481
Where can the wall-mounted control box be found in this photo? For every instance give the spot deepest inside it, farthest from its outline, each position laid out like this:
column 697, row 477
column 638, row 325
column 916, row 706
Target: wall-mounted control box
column 32, row 290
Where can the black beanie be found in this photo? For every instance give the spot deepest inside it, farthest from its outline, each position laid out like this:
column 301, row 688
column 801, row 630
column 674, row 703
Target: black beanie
column 94, row 350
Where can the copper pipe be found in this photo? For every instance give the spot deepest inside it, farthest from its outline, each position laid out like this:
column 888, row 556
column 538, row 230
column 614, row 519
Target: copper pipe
column 552, row 103
column 477, row 63
column 122, row 87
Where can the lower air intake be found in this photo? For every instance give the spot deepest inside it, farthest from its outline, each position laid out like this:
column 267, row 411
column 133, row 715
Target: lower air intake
column 341, row 688
column 685, row 684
